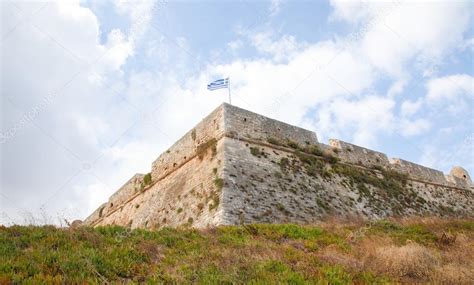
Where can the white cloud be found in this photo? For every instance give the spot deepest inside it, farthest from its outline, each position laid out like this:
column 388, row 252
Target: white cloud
column 396, row 88
column 398, row 31
column 468, row 44
column 58, row 55
column 352, row 11
column 444, row 157
column 275, row 7
column 409, row 108
column 140, row 14
column 450, row 88
column 280, row 49
column 235, row 45
column 119, row 49
column 364, row 118
column 414, row 127
column 75, row 29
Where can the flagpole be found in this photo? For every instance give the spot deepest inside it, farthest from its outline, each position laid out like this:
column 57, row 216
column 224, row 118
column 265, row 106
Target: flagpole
column 228, row 88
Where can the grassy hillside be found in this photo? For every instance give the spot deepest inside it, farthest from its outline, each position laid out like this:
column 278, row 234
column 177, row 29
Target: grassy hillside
column 416, row 250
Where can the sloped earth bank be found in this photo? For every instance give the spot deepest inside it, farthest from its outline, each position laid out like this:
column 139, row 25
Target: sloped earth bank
column 430, row 250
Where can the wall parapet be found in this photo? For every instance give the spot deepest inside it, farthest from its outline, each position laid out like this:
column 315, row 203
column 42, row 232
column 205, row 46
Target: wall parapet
column 418, row 171
column 132, row 186
column 232, row 121
column 354, row 154
column 119, row 198
column 357, row 155
column 211, row 127
column 96, row 215
column 243, row 123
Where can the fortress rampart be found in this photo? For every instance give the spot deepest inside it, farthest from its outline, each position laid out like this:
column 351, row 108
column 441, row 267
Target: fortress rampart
column 354, row 154
column 246, row 124
column 229, row 169
column 208, row 131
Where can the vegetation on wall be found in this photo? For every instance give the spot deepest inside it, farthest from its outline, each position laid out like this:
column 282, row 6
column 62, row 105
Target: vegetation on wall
column 203, row 148
column 378, row 186
column 214, row 195
column 307, row 149
column 284, row 164
column 219, row 183
column 147, row 181
column 255, row 151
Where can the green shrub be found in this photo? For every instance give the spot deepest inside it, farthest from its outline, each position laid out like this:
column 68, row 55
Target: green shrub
column 147, row 179
column 273, row 141
column 255, row 151
column 292, row 144
column 280, row 207
column 215, row 200
column 336, row 275
column 219, row 183
column 314, row 149
column 393, row 183
column 314, row 166
column 322, row 204
column 393, row 175
column 284, row 163
column 330, row 158
column 401, row 234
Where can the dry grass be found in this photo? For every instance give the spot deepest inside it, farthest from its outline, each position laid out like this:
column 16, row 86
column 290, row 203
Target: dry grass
column 453, row 274
column 411, row 260
column 445, row 256
column 415, row 249
column 336, row 251
column 333, row 256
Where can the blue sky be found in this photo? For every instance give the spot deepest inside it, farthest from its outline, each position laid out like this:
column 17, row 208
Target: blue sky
column 94, row 91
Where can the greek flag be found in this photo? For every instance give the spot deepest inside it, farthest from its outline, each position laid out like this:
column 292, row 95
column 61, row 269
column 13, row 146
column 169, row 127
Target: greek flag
column 218, row 84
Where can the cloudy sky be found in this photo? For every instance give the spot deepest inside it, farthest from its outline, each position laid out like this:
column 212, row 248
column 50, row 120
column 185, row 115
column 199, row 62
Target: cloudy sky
column 93, row 91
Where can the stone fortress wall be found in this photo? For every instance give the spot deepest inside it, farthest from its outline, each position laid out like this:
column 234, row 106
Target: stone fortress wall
column 369, row 158
column 209, row 129
column 240, row 123
column 187, row 166
column 193, row 182
column 245, row 124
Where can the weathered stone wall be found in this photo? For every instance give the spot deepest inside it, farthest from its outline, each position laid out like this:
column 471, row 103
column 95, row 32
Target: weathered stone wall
column 95, row 216
column 458, row 182
column 257, row 190
column 264, row 188
column 237, row 167
column 418, row 171
column 359, row 155
column 211, row 127
column 459, row 177
column 246, row 124
column 131, row 187
column 127, row 190
column 190, row 195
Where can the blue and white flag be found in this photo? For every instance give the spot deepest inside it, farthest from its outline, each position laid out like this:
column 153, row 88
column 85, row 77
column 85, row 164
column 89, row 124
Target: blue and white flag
column 218, row 84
